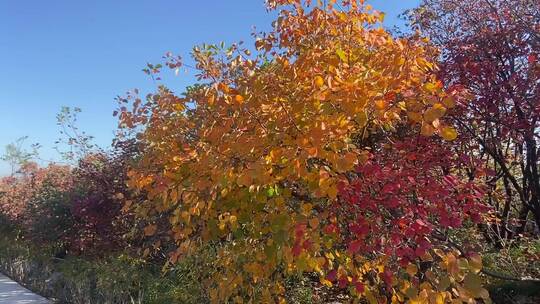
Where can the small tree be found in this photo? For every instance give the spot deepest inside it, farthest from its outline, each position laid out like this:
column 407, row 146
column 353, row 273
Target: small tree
column 16, row 155
column 78, row 142
column 490, row 50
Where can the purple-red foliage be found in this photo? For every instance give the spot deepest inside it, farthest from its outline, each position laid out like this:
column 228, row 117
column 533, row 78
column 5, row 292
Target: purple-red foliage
column 490, row 50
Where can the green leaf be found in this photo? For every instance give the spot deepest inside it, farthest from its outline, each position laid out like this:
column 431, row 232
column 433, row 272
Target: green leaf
column 341, row 54
column 444, row 283
column 271, row 251
column 270, row 192
column 473, row 283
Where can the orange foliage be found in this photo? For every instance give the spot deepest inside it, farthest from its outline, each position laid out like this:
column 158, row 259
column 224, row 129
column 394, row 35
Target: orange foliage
column 254, row 156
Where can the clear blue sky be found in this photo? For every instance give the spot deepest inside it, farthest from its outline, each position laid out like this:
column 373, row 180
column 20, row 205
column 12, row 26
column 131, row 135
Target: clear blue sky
column 85, row 53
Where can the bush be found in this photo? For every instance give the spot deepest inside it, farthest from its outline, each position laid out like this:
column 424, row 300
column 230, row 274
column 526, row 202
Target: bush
column 114, row 279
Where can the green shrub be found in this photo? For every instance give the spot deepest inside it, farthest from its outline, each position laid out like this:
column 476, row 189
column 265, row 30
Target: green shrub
column 114, row 279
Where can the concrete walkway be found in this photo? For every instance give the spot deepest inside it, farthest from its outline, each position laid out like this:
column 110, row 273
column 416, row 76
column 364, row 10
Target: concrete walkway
column 13, row 293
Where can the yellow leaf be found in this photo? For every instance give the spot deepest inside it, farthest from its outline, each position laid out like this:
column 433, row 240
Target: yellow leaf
column 341, row 54
column 484, row 294
column 431, row 87
column 463, row 264
column 437, row 298
column 332, row 191
column 427, row 257
column 211, row 100
column 475, row 263
column 435, row 112
column 439, row 252
column 319, row 81
column 306, row 208
column 346, row 163
column 362, row 118
column 326, row 282
column 427, row 129
column 412, row 269
column 449, row 102
column 414, row 116
column 448, row 133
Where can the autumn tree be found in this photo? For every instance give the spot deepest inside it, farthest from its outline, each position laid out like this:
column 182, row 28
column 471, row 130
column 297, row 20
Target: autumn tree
column 490, row 51
column 17, row 156
column 23, row 194
column 99, row 224
column 291, row 161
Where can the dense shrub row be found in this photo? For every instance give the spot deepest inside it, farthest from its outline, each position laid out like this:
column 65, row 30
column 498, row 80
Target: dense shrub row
column 116, row 278
column 71, row 209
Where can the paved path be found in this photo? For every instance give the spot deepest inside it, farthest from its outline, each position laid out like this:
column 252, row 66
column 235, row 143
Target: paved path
column 13, row 293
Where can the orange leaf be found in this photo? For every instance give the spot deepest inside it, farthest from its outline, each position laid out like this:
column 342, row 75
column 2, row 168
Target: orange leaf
column 150, row 230
column 319, row 81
